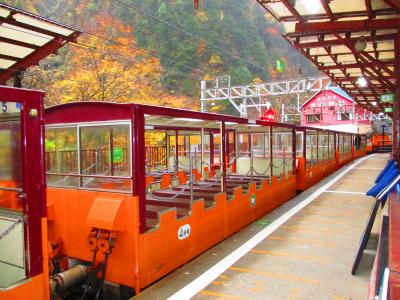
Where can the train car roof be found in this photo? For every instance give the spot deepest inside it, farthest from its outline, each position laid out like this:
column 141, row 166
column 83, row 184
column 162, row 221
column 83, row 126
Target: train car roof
column 85, row 112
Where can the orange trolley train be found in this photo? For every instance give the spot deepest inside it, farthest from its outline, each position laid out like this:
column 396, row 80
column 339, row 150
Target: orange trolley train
column 135, row 191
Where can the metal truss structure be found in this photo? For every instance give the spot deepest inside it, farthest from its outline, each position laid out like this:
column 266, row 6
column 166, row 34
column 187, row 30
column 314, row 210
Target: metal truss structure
column 255, row 95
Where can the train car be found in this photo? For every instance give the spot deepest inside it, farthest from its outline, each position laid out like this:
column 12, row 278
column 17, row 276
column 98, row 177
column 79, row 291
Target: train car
column 23, row 223
column 135, row 191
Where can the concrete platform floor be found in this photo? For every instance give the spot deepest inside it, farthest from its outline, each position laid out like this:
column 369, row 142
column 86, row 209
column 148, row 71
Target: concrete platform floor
column 308, row 257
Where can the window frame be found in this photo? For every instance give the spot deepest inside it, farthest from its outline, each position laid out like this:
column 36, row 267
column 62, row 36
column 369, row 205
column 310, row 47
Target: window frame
column 79, row 175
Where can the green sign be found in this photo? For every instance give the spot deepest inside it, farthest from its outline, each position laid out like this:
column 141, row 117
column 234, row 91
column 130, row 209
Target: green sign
column 388, row 98
column 118, row 155
column 280, row 65
column 388, row 109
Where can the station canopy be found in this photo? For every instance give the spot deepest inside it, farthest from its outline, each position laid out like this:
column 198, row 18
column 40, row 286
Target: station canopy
column 26, row 38
column 352, row 41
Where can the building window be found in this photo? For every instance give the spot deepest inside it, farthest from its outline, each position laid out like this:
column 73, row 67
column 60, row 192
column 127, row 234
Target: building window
column 344, row 116
column 321, row 104
column 314, row 118
column 331, row 103
column 341, row 103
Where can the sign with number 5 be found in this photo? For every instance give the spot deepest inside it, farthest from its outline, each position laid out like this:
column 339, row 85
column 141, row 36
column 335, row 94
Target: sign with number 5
column 4, row 107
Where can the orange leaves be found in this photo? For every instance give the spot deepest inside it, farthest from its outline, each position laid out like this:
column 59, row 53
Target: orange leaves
column 105, row 71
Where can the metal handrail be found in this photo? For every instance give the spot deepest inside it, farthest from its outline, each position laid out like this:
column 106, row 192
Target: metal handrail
column 17, row 190
column 89, row 176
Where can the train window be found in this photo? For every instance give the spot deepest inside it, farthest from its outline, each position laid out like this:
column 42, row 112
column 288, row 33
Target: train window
column 258, row 144
column 299, row 144
column 282, row 160
column 314, row 118
column 105, row 157
column 10, row 156
column 323, row 150
column 61, row 147
column 311, row 147
column 331, row 145
column 89, row 157
column 156, row 151
column 12, row 248
column 244, row 145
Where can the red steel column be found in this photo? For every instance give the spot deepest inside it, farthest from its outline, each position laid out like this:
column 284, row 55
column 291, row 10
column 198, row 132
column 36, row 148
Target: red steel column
column 138, row 166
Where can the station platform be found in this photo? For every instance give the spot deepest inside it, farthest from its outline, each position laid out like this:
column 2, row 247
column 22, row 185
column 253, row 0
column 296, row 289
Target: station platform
column 302, row 250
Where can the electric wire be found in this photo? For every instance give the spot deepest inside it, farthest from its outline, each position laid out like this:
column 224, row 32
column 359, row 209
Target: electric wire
column 143, row 51
column 82, row 45
column 176, row 27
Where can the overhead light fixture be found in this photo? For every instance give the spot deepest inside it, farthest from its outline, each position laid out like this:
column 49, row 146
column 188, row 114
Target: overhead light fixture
column 213, row 103
column 362, row 82
column 374, row 103
column 188, row 120
column 313, row 6
column 231, row 123
column 360, row 45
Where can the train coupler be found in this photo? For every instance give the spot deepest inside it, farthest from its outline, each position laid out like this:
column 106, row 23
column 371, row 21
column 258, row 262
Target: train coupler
column 100, row 242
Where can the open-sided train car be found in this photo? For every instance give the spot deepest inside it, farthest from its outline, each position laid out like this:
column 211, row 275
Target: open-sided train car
column 150, row 178
column 135, row 191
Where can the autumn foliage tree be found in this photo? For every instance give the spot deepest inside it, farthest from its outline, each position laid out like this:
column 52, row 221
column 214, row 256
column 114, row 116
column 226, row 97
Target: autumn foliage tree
column 106, row 69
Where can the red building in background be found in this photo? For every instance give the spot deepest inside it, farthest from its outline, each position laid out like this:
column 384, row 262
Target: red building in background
column 334, row 109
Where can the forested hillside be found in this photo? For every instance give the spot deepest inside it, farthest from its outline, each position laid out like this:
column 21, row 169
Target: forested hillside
column 157, row 51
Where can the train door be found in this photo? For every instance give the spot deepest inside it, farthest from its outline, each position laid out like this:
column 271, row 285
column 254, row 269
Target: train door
column 22, row 202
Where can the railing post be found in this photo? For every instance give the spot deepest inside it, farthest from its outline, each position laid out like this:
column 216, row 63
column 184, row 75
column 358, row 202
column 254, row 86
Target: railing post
column 191, row 178
column 251, row 160
column 222, row 155
column 271, row 152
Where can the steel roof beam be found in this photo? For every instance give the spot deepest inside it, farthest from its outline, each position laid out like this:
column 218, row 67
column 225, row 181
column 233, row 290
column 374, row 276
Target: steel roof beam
column 337, row 42
column 292, row 10
column 18, row 43
column 325, row 4
column 369, row 8
column 9, row 57
column 367, row 59
column 393, row 3
column 377, row 12
column 352, row 65
column 347, row 26
column 10, row 20
column 305, row 53
column 33, row 58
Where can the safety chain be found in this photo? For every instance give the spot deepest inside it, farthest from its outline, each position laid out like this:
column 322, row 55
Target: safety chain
column 9, row 229
column 258, row 173
column 287, row 163
column 277, row 166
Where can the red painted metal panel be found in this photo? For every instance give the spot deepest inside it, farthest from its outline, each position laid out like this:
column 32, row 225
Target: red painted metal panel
column 32, row 140
column 87, row 112
column 346, row 26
